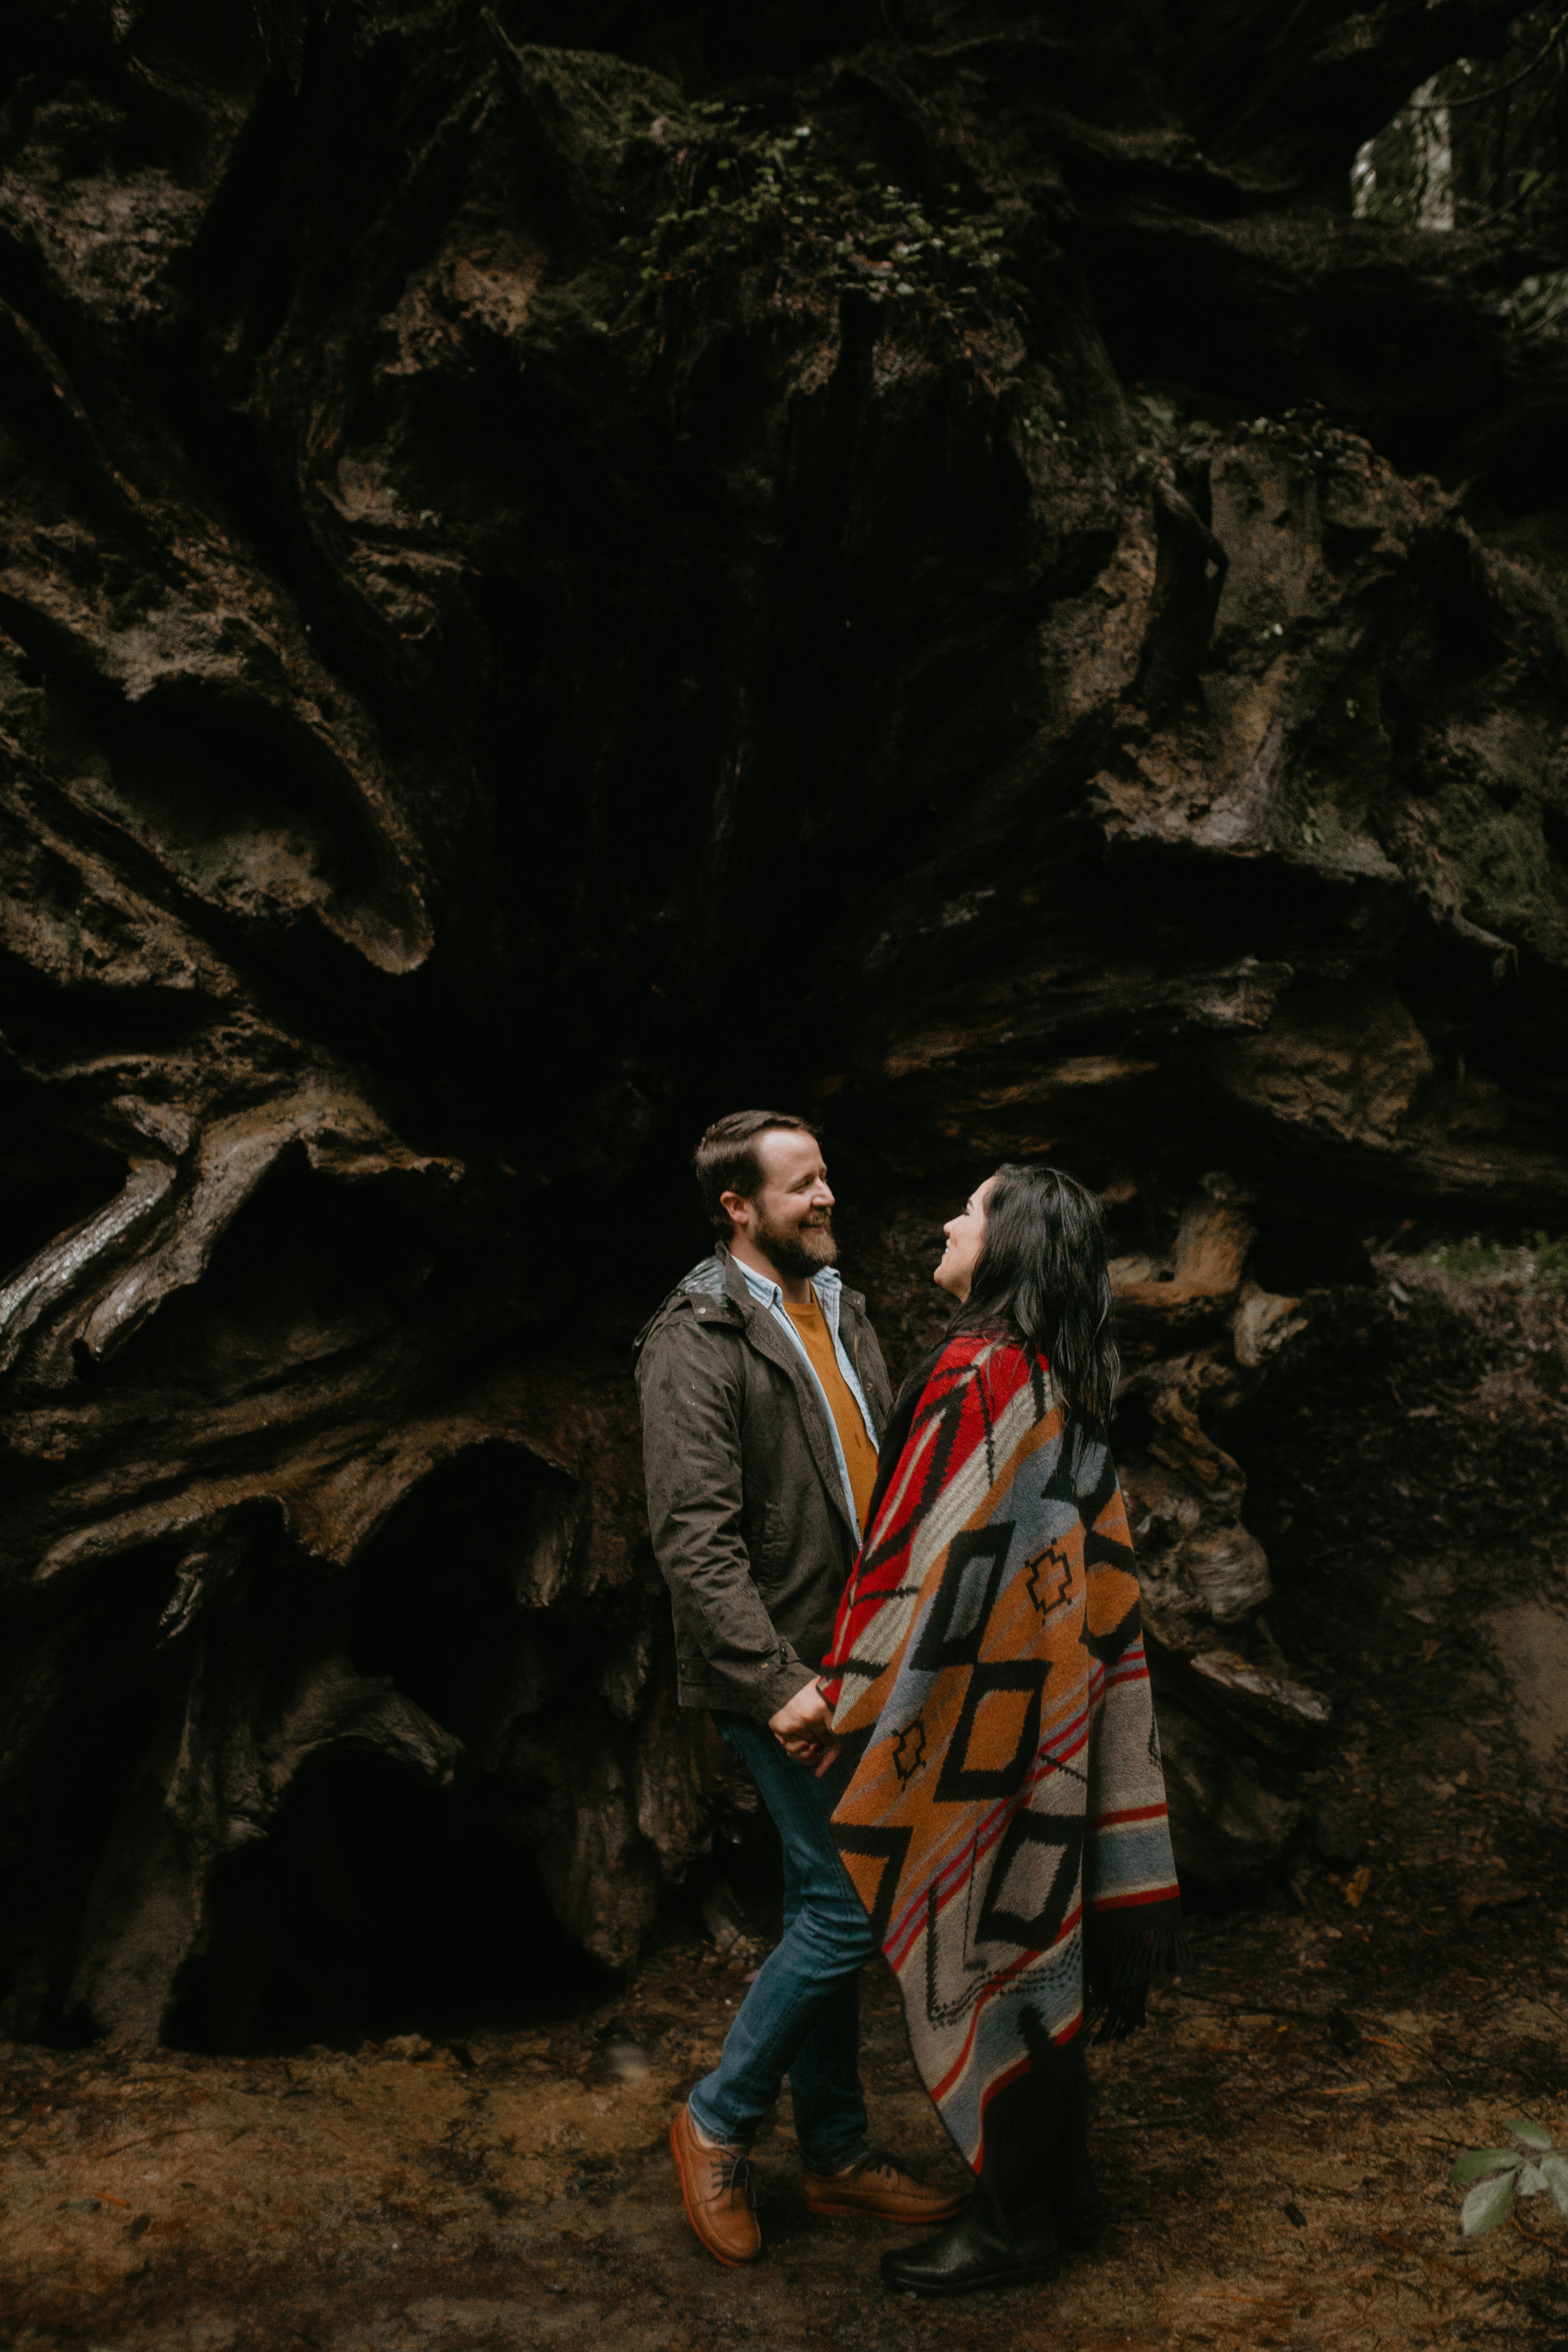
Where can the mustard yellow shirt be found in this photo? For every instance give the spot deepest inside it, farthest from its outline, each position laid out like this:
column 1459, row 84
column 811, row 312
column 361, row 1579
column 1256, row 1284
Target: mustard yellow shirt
column 860, row 1453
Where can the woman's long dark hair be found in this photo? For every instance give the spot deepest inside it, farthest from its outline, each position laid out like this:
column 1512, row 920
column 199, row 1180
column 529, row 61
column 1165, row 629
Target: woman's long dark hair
column 1041, row 1277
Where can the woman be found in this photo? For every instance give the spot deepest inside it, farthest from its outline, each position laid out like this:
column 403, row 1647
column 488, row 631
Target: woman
column 1004, row 1820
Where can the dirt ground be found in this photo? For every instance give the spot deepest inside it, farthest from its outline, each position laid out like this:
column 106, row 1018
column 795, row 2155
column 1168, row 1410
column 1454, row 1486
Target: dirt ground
column 1275, row 2146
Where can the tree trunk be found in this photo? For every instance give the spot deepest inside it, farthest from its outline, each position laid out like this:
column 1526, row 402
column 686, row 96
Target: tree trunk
column 913, row 562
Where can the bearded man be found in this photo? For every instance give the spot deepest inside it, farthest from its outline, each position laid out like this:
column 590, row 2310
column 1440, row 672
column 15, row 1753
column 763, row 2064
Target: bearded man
column 763, row 1394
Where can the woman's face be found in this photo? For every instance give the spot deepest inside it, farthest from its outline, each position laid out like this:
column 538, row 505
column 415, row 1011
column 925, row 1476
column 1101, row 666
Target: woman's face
column 964, row 1235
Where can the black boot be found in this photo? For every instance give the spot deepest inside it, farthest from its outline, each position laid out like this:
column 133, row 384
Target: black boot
column 1036, row 2194
column 978, row 2250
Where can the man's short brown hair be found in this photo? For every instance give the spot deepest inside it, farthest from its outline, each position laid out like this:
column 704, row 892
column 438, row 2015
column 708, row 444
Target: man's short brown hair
column 726, row 1160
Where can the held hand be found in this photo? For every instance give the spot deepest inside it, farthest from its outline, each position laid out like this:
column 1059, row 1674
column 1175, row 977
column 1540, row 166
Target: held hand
column 806, row 1712
column 802, row 1728
column 806, row 1748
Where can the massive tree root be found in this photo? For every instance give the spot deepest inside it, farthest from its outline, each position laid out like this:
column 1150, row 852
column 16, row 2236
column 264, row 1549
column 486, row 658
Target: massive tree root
column 914, row 563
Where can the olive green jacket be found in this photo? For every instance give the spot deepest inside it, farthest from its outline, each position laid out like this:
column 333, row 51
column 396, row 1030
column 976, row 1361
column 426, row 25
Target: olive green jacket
column 746, row 1503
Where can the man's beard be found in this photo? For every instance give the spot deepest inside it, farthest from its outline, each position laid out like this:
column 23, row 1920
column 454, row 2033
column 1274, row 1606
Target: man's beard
column 797, row 1251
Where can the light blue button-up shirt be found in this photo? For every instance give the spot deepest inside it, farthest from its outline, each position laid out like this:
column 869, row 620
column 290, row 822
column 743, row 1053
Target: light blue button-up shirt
column 827, row 1284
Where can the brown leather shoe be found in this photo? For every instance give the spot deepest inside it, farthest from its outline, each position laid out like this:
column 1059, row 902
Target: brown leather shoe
column 881, row 2191
column 717, row 2193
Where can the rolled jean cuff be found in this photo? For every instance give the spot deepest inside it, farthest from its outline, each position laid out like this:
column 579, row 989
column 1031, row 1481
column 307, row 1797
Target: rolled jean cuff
column 709, row 2125
column 858, row 2151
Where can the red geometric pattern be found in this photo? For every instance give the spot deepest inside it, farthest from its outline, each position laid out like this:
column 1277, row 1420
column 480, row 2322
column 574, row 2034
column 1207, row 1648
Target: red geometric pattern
column 1006, row 1823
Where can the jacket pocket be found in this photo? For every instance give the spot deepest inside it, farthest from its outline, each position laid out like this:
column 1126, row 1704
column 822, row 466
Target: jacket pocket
column 770, row 1559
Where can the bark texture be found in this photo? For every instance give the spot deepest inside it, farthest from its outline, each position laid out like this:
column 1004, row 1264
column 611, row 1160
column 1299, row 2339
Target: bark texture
column 562, row 570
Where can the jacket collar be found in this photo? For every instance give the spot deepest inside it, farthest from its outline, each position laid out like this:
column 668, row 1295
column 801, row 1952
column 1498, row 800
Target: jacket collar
column 829, row 1286
column 716, row 1280
column 717, row 1284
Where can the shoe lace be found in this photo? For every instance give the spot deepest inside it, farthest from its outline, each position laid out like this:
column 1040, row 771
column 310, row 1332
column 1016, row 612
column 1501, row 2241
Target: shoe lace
column 735, row 2172
column 875, row 2166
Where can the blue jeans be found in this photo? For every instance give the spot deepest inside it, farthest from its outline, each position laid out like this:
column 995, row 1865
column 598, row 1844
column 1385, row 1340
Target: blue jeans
column 802, row 2017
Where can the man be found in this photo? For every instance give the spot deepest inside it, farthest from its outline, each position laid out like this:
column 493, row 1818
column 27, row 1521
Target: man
column 763, row 1392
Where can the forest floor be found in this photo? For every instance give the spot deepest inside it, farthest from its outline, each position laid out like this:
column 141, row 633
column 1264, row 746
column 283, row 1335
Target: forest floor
column 1276, row 2144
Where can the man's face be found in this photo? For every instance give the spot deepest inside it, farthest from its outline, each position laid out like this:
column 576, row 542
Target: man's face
column 790, row 1221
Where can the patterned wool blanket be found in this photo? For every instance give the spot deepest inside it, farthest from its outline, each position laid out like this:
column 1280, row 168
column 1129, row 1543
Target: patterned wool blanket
column 1004, row 1824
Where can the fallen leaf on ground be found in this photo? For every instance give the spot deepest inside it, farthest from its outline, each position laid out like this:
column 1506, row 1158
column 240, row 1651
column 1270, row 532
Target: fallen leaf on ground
column 1491, row 1898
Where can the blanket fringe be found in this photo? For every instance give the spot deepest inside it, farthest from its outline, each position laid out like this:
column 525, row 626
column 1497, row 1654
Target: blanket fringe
column 1117, row 1959
column 1121, row 1968
column 1114, row 2020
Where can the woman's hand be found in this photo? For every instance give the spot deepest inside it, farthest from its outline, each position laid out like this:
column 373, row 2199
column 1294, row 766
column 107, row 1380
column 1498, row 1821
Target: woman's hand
column 803, row 1728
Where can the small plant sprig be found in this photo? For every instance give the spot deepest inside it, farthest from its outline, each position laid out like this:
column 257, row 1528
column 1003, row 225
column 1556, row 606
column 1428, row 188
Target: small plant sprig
column 753, row 197
column 1497, row 2172
column 1542, row 1265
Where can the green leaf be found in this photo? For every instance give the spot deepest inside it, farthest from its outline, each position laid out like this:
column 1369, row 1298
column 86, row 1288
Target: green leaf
column 1555, row 2172
column 1532, row 2180
column 1531, row 2134
column 1487, row 2205
column 1483, row 2160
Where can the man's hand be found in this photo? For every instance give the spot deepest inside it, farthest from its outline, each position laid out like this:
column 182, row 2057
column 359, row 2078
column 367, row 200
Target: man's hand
column 803, row 1728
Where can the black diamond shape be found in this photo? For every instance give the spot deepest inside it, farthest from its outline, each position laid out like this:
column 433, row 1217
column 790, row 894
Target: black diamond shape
column 1026, row 1829
column 961, row 1784
column 1108, row 1646
column 889, row 1847
column 939, row 1646
column 1104, row 1551
column 1061, row 1485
